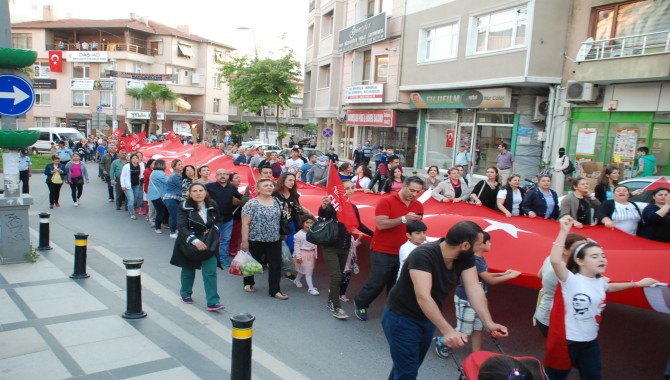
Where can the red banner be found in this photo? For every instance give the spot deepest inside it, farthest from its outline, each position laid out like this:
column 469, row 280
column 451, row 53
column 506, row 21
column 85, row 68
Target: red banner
column 118, row 133
column 252, row 182
column 55, row 61
column 378, row 118
column 340, row 200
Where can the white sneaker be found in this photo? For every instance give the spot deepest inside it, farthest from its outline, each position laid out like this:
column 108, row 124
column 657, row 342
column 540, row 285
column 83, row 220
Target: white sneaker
column 133, row 217
column 340, row 314
column 313, row 292
column 174, row 235
column 159, row 231
column 76, row 204
column 297, row 283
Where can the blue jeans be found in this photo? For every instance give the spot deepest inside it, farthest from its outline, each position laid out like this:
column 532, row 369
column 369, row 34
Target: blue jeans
column 173, row 209
column 133, row 198
column 585, row 356
column 409, row 340
column 225, row 230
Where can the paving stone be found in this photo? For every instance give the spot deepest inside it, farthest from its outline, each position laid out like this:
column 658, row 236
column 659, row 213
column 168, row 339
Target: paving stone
column 37, row 365
column 58, row 299
column 41, row 270
column 10, row 312
column 92, row 330
column 181, row 373
column 20, row 342
column 115, row 353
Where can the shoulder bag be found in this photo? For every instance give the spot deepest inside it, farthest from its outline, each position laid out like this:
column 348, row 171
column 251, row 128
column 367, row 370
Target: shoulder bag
column 285, row 227
column 323, row 232
column 211, row 240
column 571, row 167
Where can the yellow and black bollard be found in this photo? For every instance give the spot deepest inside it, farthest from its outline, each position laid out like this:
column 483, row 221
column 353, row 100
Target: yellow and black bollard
column 80, row 243
column 44, row 231
column 240, row 368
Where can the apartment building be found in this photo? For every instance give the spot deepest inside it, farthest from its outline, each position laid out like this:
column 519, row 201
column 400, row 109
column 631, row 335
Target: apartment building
column 86, row 96
column 615, row 94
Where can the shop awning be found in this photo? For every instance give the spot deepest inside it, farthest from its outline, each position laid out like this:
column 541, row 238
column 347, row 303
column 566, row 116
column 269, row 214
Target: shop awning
column 219, row 122
column 186, row 50
column 184, row 117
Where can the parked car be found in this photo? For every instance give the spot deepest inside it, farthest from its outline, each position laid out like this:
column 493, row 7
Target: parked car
column 252, row 143
column 305, row 152
column 266, row 147
column 637, row 183
column 49, row 135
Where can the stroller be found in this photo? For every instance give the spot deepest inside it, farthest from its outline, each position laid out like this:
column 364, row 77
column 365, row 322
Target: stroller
column 469, row 368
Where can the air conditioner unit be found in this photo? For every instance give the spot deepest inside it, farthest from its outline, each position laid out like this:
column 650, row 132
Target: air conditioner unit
column 196, row 78
column 581, row 92
column 541, row 108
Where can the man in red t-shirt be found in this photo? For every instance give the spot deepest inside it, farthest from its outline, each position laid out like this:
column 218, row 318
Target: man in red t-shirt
column 391, row 216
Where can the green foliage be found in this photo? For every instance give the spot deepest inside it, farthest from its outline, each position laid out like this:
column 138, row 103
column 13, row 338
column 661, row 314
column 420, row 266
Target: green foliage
column 152, row 92
column 310, row 129
column 33, row 255
column 39, row 161
column 282, row 133
column 241, row 128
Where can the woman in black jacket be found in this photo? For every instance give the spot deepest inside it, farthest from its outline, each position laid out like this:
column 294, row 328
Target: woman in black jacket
column 608, row 180
column 195, row 221
column 336, row 256
column 542, row 201
column 510, row 197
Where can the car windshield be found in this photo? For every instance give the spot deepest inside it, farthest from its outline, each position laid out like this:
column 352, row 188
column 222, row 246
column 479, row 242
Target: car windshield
column 69, row 136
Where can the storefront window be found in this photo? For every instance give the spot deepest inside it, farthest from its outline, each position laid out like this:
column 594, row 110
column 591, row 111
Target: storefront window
column 486, row 149
column 660, row 147
column 441, row 138
column 622, row 142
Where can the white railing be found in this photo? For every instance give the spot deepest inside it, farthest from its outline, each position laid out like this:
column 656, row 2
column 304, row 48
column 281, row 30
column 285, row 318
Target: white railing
column 623, row 47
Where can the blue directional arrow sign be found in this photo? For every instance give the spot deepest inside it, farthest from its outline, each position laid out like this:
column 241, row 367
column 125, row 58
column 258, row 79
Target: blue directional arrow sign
column 16, row 95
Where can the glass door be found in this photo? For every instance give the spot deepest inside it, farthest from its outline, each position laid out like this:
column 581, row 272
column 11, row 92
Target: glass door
column 660, row 147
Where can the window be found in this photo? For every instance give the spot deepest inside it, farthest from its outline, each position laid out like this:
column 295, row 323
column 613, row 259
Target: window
column 310, row 35
column 293, row 131
column 81, row 70
column 630, row 18
column 308, row 81
column 137, row 104
column 327, row 24
column 439, row 43
column 41, row 70
column 217, row 81
column 294, row 112
column 505, row 29
column 219, row 57
column 175, row 76
column 371, row 8
column 137, row 68
column 156, row 47
column 381, row 68
column 269, row 111
column 216, row 106
column 367, row 61
column 22, row 41
column 106, row 99
column 42, row 97
column 105, row 68
column 42, row 122
column 81, row 98
column 232, row 110
column 184, row 50
column 324, row 76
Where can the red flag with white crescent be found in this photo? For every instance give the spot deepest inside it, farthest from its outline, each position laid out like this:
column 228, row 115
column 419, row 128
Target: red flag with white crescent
column 172, row 136
column 55, row 61
column 340, row 200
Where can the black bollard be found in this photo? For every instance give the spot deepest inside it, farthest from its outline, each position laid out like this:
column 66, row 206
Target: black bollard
column 133, row 289
column 44, row 231
column 240, row 368
column 80, row 242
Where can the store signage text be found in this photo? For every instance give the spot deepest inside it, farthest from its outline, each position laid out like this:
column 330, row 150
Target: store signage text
column 377, row 118
column 86, row 56
column 480, row 98
column 364, row 33
column 143, row 115
column 367, row 93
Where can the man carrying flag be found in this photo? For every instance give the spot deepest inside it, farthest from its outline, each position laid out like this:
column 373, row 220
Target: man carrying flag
column 337, row 206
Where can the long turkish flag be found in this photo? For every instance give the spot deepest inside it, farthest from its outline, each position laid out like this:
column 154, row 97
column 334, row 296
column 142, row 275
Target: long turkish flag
column 340, row 200
column 56, row 61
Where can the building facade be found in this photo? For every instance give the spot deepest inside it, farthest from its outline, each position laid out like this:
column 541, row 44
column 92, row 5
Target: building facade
column 103, row 58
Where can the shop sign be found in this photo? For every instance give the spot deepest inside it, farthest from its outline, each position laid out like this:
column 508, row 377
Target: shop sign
column 81, row 84
column 140, row 76
column 44, row 84
column 625, row 143
column 480, row 98
column 586, row 141
column 366, row 93
column 86, row 56
column 134, row 84
column 364, row 33
column 181, row 127
column 143, row 115
column 377, row 118
column 103, row 85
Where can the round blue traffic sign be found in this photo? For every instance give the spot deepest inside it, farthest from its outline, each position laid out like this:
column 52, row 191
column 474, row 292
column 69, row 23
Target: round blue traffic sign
column 327, row 132
column 16, row 95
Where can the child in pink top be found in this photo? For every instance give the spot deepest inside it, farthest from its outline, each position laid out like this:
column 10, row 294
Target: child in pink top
column 304, row 256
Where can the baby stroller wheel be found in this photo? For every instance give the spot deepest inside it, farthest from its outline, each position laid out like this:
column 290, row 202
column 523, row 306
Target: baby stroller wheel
column 441, row 349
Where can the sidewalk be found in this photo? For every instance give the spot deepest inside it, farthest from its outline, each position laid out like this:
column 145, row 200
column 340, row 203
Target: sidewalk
column 52, row 327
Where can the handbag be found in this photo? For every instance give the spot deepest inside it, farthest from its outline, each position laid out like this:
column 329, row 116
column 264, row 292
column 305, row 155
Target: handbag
column 571, row 167
column 78, row 180
column 285, row 227
column 323, row 232
column 211, row 240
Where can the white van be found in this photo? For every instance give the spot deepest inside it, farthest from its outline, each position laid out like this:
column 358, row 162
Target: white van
column 49, row 135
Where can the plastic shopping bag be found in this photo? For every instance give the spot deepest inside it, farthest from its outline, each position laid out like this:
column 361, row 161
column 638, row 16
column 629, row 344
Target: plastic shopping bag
column 286, row 258
column 244, row 265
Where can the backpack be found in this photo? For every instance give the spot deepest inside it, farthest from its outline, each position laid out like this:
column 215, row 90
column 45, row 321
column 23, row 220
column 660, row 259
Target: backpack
column 571, row 167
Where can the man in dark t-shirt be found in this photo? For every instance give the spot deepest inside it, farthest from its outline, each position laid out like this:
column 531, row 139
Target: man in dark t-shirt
column 429, row 276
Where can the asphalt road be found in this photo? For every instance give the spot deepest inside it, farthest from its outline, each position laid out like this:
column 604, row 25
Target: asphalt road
column 300, row 334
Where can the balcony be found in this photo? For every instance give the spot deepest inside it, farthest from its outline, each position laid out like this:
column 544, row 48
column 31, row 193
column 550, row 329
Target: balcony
column 629, row 59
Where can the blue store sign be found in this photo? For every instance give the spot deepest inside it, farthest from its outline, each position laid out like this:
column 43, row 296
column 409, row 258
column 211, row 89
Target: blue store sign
column 16, row 95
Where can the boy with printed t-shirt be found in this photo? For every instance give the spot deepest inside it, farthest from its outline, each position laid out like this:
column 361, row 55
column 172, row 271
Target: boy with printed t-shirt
column 467, row 320
column 416, row 235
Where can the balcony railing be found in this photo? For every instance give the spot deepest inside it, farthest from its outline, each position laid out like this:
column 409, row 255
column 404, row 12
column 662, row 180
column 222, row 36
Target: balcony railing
column 624, row 47
column 108, row 46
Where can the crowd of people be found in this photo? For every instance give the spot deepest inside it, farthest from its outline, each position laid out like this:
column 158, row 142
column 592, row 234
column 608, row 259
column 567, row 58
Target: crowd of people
column 211, row 221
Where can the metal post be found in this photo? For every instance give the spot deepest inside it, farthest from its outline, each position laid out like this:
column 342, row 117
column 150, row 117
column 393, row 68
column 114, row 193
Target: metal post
column 240, row 368
column 133, row 289
column 80, row 243
column 115, row 123
column 44, row 231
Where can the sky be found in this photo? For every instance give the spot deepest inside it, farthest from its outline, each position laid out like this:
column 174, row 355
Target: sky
column 217, row 20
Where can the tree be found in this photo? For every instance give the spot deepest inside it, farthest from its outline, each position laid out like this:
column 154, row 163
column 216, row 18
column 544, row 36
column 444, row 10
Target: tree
column 240, row 129
column 152, row 92
column 309, row 129
column 282, row 132
column 259, row 83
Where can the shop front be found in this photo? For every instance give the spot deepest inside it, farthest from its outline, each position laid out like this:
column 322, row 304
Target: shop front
column 600, row 138
column 480, row 120
column 387, row 127
column 139, row 120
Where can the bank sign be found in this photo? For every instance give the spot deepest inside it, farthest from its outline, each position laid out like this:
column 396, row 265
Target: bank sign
column 376, row 118
column 86, row 56
column 364, row 33
column 480, row 98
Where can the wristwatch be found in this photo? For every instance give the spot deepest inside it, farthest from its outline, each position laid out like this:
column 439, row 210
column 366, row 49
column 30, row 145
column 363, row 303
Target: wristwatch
column 403, row 219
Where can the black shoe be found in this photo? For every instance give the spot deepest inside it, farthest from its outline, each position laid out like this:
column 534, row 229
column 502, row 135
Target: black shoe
column 290, row 277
